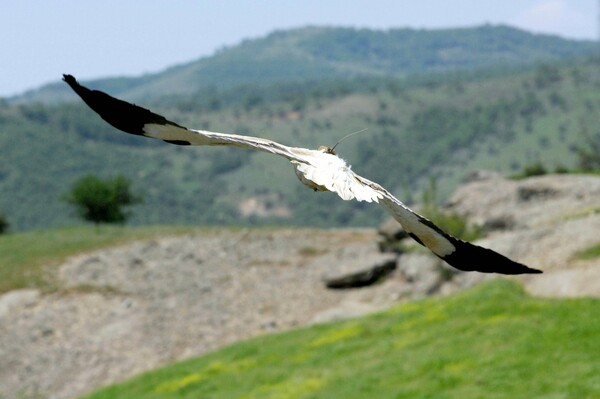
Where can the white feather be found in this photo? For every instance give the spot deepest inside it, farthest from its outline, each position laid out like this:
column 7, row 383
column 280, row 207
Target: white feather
column 334, row 174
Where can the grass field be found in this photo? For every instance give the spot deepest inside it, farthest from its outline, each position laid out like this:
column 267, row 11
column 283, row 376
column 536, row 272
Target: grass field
column 493, row 341
column 26, row 259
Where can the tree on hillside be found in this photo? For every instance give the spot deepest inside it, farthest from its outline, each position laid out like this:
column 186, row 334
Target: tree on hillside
column 589, row 152
column 4, row 225
column 102, row 201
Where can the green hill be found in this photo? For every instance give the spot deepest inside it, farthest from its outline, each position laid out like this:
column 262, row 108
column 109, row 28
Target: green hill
column 442, row 126
column 314, row 53
column 490, row 342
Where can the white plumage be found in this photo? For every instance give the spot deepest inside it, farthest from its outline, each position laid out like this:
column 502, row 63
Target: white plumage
column 320, row 170
column 328, row 172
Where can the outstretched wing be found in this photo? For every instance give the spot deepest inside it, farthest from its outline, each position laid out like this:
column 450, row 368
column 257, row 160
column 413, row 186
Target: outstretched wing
column 133, row 119
column 316, row 169
column 457, row 253
column 325, row 171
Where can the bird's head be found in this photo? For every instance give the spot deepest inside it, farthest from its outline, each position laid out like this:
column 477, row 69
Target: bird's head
column 331, row 150
column 327, row 150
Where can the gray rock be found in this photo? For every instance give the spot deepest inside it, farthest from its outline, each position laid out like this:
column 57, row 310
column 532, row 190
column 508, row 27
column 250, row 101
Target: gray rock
column 363, row 278
column 528, row 202
column 422, row 271
column 14, row 300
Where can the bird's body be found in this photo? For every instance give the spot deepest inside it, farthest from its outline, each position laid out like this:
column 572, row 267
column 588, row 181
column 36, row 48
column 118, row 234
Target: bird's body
column 320, row 170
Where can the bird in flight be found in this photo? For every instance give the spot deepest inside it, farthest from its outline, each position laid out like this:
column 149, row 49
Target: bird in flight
column 321, row 170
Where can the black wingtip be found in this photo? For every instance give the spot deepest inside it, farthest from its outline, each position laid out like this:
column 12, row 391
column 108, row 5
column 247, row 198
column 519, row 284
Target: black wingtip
column 471, row 257
column 123, row 115
column 534, row 271
column 70, row 79
column 74, row 85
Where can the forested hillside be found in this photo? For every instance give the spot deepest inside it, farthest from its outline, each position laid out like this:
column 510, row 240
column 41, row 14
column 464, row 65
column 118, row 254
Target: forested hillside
column 437, row 127
column 316, row 53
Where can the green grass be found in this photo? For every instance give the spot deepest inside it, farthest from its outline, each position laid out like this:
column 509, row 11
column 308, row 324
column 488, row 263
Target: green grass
column 26, row 259
column 491, row 342
column 592, row 252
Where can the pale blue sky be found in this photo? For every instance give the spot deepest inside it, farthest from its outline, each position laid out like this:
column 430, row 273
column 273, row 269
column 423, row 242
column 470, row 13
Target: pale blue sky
column 42, row 39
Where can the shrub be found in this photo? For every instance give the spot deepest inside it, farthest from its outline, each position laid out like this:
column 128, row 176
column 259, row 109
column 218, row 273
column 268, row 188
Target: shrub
column 4, row 225
column 102, row 201
column 589, row 153
column 534, row 169
column 453, row 224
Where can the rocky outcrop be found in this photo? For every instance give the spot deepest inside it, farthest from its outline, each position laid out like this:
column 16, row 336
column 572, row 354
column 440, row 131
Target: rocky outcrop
column 364, row 278
column 528, row 203
column 541, row 221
